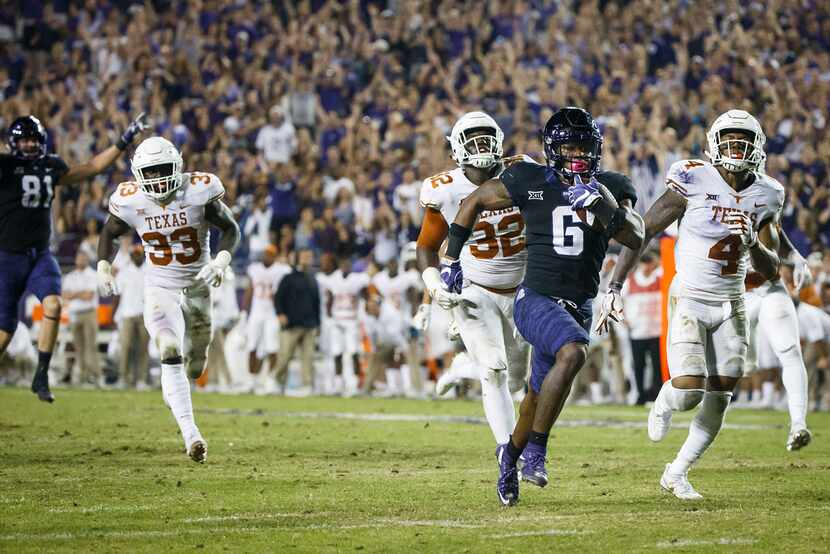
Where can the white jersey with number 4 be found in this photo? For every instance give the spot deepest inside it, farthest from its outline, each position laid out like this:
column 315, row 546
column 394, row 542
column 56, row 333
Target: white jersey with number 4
column 494, row 255
column 175, row 236
column 711, row 263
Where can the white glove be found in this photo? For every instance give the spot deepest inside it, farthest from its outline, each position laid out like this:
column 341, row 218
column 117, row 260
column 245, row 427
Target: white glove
column 214, row 271
column 611, row 310
column 453, row 332
column 421, row 318
column 740, row 225
column 801, row 271
column 442, row 297
column 106, row 281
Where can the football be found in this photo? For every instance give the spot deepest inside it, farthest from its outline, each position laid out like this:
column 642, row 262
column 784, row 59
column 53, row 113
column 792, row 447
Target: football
column 588, row 218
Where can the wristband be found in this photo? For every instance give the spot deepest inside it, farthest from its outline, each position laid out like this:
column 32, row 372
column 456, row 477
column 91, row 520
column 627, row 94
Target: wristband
column 615, row 286
column 121, row 144
column 458, row 236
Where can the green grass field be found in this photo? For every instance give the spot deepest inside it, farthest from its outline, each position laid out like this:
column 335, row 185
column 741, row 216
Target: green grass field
column 105, row 471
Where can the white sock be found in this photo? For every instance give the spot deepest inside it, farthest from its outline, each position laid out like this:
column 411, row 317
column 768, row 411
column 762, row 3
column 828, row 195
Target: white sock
column 703, row 430
column 768, row 393
column 596, row 392
column 176, row 390
column 462, row 367
column 677, row 400
column 794, row 376
column 498, row 405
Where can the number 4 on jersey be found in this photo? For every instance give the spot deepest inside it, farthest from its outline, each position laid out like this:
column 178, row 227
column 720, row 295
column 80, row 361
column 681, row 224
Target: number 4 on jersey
column 727, row 249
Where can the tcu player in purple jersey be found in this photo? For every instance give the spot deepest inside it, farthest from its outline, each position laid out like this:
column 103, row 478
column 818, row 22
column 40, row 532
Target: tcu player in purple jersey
column 28, row 178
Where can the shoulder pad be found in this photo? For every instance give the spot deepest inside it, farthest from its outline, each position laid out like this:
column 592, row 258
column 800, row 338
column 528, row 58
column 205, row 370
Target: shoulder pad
column 529, row 172
column 683, row 174
column 433, row 190
column 204, row 188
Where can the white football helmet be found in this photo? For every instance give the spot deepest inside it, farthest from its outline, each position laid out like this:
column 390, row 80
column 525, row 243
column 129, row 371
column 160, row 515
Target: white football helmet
column 736, row 155
column 157, row 153
column 479, row 150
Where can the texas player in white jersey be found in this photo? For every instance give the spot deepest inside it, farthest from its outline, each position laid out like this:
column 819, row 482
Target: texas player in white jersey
column 493, row 260
column 397, row 289
column 774, row 338
column 343, row 292
column 262, row 331
column 172, row 212
column 728, row 211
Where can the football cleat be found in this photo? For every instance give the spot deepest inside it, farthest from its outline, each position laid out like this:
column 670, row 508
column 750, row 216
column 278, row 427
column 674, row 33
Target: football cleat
column 533, row 469
column 679, row 485
column 40, row 386
column 198, row 451
column 507, row 486
column 799, row 439
column 659, row 423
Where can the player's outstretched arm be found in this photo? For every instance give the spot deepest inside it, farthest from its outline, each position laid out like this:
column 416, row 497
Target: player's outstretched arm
column 220, row 216
column 665, row 211
column 104, row 159
column 492, row 195
column 113, row 228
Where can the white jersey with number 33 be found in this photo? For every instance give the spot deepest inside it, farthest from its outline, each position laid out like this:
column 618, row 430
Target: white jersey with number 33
column 175, row 236
column 494, row 255
column 711, row 263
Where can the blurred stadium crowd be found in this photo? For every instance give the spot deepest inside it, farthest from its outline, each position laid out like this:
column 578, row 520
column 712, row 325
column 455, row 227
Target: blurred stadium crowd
column 322, row 117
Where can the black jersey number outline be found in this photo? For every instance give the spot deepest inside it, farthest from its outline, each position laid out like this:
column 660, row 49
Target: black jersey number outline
column 32, row 191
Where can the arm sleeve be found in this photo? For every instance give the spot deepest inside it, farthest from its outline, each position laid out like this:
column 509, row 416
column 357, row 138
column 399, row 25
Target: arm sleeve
column 59, row 167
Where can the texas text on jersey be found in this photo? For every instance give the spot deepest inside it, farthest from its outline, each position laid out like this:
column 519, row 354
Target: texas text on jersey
column 566, row 253
column 176, row 235
column 494, row 255
column 26, row 192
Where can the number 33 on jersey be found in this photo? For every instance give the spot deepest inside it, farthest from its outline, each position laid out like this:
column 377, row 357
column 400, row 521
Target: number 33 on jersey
column 175, row 236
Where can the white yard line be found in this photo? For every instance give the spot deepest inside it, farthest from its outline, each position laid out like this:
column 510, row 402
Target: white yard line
column 547, row 533
column 474, row 420
column 682, row 543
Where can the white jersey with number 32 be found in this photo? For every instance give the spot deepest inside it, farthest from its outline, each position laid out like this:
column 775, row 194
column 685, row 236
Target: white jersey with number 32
column 711, row 262
column 176, row 236
column 495, row 254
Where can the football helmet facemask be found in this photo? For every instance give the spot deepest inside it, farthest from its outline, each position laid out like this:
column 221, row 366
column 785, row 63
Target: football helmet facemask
column 575, row 128
column 157, row 167
column 736, row 154
column 476, row 140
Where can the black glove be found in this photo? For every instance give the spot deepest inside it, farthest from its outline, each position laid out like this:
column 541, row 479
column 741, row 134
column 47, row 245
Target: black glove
column 137, row 126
